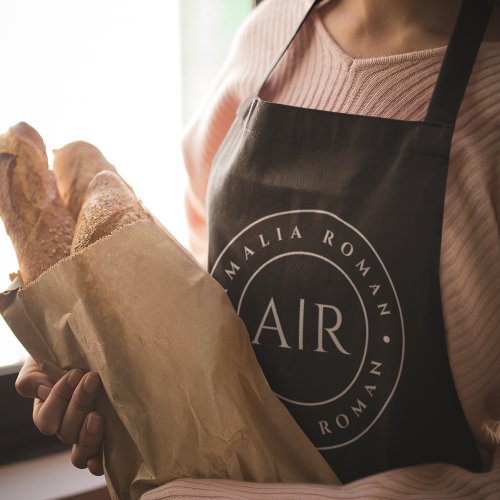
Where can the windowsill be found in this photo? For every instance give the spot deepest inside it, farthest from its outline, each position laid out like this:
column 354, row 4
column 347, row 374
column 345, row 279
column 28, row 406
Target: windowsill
column 46, row 478
column 10, row 369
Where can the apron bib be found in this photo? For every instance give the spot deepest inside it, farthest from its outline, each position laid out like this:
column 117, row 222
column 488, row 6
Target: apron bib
column 325, row 231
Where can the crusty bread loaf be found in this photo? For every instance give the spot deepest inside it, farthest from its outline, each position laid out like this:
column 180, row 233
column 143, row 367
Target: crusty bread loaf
column 75, row 165
column 109, row 204
column 34, row 215
column 41, row 227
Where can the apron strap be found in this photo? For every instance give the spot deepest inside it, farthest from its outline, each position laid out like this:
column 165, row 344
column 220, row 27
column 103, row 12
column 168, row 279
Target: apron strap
column 455, row 71
column 458, row 61
column 247, row 102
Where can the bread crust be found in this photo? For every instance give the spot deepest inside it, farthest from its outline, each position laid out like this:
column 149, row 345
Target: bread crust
column 34, row 215
column 75, row 165
column 109, row 204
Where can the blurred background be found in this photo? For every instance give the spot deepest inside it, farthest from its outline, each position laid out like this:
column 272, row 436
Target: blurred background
column 125, row 75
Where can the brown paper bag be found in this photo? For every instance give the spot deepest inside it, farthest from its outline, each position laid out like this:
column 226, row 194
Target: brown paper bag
column 184, row 394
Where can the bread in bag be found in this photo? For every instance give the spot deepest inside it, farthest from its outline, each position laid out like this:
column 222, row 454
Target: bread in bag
column 34, row 215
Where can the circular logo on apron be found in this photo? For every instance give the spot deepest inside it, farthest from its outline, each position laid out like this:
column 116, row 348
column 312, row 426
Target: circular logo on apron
column 323, row 318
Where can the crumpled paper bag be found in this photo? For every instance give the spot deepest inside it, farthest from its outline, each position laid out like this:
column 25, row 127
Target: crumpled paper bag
column 184, row 394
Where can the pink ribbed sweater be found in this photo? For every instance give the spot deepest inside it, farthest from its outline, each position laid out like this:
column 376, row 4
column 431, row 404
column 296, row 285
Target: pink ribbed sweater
column 316, row 73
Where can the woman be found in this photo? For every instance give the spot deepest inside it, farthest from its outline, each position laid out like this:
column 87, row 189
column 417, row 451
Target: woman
column 350, row 209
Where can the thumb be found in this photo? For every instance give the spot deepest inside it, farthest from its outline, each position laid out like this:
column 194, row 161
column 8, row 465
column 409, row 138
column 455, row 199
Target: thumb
column 32, row 382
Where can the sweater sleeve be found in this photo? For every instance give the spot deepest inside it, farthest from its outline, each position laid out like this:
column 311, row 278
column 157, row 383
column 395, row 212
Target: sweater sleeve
column 433, row 481
column 198, row 150
column 256, row 44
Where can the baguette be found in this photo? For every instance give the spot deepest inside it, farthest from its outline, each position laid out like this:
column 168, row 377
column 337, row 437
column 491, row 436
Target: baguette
column 109, row 204
column 74, row 166
column 39, row 225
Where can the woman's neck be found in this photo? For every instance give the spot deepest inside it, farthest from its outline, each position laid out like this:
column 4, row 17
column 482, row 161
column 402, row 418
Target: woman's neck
column 372, row 28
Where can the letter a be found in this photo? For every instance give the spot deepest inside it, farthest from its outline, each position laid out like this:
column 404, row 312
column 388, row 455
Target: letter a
column 248, row 252
column 296, row 233
column 277, row 325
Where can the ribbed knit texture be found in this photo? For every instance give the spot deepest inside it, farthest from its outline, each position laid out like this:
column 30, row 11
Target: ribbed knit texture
column 316, row 73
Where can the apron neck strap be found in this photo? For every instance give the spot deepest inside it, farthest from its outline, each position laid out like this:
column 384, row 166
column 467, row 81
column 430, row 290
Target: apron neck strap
column 458, row 61
column 246, row 104
column 456, row 68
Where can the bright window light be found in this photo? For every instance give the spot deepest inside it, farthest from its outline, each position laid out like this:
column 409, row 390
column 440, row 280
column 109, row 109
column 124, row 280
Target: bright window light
column 107, row 72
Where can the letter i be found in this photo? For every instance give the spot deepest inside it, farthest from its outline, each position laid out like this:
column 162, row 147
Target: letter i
column 301, row 325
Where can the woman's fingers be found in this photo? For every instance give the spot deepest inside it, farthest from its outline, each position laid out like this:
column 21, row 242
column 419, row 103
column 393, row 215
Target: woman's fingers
column 82, row 402
column 65, row 409
column 87, row 452
column 95, row 466
column 31, row 381
column 48, row 416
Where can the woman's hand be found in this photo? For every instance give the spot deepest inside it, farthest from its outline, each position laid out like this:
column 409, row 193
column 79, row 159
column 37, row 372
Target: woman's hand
column 66, row 409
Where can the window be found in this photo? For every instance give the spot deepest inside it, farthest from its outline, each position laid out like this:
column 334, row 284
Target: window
column 122, row 74
column 104, row 72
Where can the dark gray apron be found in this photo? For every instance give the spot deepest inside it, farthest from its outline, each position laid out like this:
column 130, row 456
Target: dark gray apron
column 325, row 230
